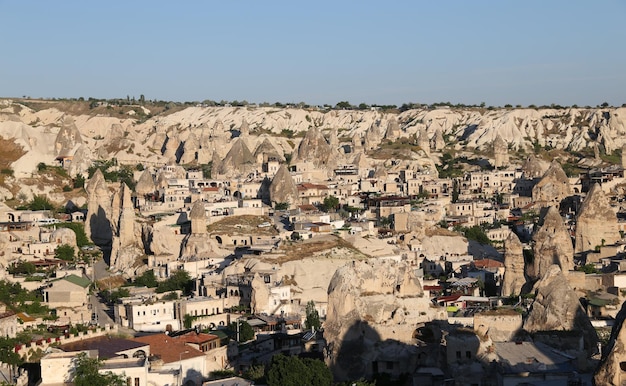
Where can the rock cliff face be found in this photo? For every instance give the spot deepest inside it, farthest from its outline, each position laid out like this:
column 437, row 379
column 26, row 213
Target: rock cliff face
column 553, row 186
column 239, row 161
column 67, row 138
column 97, row 224
column 125, row 245
column 556, row 307
column 596, row 223
column 145, row 184
column 283, row 188
column 500, row 152
column 610, row 371
column 552, row 245
column 368, row 303
column 514, row 278
column 316, row 150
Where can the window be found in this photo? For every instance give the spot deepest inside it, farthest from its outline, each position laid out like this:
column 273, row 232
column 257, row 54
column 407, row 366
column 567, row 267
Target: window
column 136, row 381
column 468, row 354
column 458, row 355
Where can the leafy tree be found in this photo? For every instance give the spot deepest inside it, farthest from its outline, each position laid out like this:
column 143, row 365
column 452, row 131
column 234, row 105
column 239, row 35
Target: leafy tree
column 330, row 202
column 343, row 105
column 246, row 332
column 40, row 203
column 170, row 296
column 293, row 371
column 65, row 252
column 147, row 279
column 180, row 280
column 115, row 295
column 475, row 233
column 188, row 320
column 86, row 373
column 255, row 374
column 22, row 268
column 41, row 166
column 312, row 316
column 281, row 205
column 79, row 181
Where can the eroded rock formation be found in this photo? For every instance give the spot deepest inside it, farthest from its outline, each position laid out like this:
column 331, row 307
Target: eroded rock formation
column 514, row 278
column 552, row 245
column 556, row 307
column 370, row 302
column 553, row 187
column 596, row 223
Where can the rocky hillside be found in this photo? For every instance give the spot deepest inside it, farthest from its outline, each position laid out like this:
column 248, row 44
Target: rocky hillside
column 41, row 131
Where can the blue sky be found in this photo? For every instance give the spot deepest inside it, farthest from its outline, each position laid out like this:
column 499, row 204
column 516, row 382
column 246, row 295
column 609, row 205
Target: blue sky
column 497, row 52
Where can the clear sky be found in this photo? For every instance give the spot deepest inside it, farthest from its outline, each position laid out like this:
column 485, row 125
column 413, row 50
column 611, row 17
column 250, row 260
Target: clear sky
column 497, row 52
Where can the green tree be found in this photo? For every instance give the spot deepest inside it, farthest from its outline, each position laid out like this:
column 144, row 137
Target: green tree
column 147, row 279
column 86, row 373
column 293, row 371
column 246, row 332
column 330, row 203
column 281, row 205
column 343, row 105
column 179, row 280
column 79, row 181
column 65, row 252
column 40, row 203
column 312, row 316
column 188, row 320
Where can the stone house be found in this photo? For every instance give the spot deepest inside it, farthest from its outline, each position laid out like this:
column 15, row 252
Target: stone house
column 8, row 322
column 69, row 297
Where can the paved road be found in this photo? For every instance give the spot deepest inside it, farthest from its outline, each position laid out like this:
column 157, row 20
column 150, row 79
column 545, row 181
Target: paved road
column 103, row 314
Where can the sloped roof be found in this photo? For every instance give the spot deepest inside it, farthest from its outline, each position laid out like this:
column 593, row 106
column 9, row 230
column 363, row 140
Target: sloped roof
column 168, row 349
column 80, row 281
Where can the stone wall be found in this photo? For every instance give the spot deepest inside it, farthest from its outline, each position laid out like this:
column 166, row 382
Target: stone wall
column 28, row 349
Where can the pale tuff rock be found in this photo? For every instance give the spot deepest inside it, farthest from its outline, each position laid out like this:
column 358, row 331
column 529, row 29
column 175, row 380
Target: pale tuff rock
column 244, row 129
column 161, row 241
column 145, row 184
column 190, row 149
column 556, row 307
column 373, row 135
column 198, row 218
column 534, row 167
column 393, row 130
column 333, row 138
column 172, row 146
column 216, row 163
column 596, row 223
column 97, row 224
column 514, row 278
column 283, row 188
column 314, row 148
column 64, row 236
column 437, row 142
column 422, row 140
column 610, row 371
column 82, row 160
column 266, row 151
column 260, row 294
column 124, row 248
column 500, row 152
column 624, row 156
column 67, row 138
column 553, row 186
column 357, row 145
column 552, row 245
column 238, row 162
column 369, row 303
